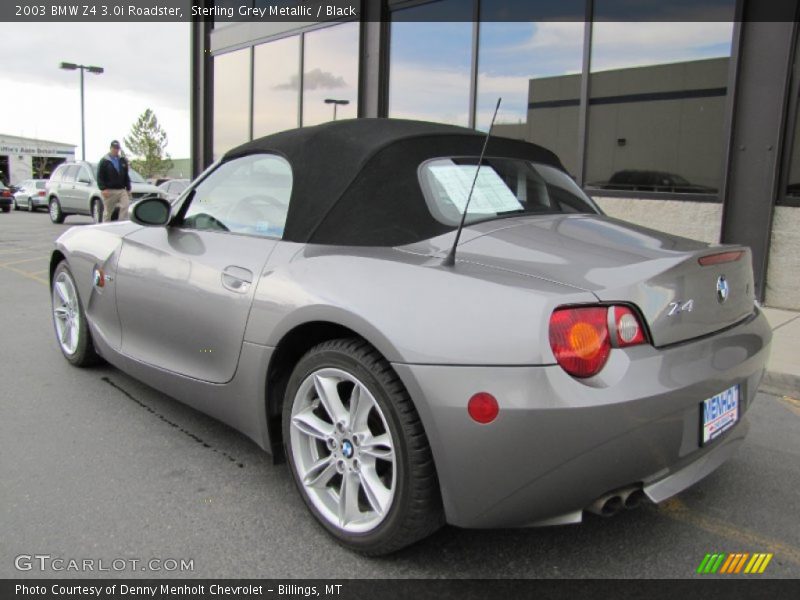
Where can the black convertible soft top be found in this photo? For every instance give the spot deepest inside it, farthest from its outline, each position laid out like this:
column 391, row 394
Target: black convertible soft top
column 355, row 182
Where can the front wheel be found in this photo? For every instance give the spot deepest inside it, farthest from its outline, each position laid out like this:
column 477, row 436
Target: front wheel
column 56, row 214
column 72, row 330
column 357, row 449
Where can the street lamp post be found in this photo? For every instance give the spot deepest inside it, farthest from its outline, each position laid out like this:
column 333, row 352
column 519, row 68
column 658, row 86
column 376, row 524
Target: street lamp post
column 91, row 69
column 335, row 104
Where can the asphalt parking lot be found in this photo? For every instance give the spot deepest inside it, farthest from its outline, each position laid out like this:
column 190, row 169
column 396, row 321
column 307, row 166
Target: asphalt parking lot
column 96, row 465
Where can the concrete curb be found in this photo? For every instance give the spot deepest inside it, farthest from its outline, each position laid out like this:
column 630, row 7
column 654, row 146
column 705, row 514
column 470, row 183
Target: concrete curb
column 782, row 384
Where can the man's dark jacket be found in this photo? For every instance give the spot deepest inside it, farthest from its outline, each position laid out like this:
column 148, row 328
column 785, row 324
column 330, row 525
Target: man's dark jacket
column 108, row 178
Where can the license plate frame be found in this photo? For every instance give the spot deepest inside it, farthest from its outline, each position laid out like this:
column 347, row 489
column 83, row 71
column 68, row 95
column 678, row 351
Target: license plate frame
column 719, row 413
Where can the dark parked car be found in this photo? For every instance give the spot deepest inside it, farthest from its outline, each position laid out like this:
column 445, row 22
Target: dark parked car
column 652, row 181
column 6, row 198
column 303, row 290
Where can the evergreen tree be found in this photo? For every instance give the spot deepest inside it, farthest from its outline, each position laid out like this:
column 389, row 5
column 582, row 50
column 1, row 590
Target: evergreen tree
column 146, row 143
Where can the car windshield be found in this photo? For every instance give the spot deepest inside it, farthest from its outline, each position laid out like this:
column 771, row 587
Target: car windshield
column 505, row 186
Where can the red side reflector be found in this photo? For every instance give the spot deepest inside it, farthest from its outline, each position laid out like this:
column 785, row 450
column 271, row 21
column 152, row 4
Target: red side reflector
column 722, row 257
column 483, row 408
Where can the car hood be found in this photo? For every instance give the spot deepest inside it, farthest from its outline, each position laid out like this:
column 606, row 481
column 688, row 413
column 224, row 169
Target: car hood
column 618, row 262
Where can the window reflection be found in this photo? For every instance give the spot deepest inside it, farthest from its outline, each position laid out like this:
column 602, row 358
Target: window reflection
column 276, row 90
column 231, row 100
column 330, row 73
column 535, row 68
column 429, row 72
column 658, row 94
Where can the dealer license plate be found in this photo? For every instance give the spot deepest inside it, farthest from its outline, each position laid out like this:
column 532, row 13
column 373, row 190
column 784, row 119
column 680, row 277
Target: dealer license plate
column 720, row 413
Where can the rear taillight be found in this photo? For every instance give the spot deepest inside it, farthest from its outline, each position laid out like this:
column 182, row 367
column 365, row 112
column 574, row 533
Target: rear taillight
column 5, row 194
column 41, row 192
column 582, row 336
column 627, row 329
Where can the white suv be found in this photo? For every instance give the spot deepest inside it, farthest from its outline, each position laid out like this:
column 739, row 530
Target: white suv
column 72, row 190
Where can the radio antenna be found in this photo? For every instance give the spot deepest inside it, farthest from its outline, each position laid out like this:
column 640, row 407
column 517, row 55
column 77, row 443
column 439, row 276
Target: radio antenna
column 450, row 259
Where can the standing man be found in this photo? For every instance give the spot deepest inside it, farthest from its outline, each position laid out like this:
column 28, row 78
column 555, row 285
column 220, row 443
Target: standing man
column 114, row 183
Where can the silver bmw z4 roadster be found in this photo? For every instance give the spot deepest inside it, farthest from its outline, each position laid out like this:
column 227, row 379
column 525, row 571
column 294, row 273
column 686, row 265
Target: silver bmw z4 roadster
column 300, row 291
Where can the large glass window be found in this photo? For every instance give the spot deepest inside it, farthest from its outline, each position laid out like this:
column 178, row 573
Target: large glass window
column 231, row 100
column 429, row 71
column 330, row 78
column 535, row 66
column 656, row 112
column 247, row 195
column 276, row 86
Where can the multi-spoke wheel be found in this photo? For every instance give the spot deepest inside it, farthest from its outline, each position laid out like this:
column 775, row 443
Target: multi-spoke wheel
column 357, row 450
column 72, row 331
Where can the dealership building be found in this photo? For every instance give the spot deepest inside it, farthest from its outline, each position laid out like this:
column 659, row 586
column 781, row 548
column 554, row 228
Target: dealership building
column 25, row 158
column 688, row 127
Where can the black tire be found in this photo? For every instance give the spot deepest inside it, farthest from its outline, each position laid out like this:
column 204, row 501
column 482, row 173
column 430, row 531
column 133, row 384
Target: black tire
column 97, row 210
column 30, row 205
column 416, row 510
column 56, row 214
column 85, row 355
column 16, row 206
column 6, row 209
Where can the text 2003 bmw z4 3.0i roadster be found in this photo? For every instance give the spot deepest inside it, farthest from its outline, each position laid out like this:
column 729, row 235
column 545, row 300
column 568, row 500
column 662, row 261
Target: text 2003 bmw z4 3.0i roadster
column 299, row 290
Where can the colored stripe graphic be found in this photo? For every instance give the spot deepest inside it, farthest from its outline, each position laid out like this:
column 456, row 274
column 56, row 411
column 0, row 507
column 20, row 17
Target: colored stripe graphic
column 765, row 563
column 741, row 562
column 723, row 563
column 728, row 563
column 702, row 567
column 718, row 563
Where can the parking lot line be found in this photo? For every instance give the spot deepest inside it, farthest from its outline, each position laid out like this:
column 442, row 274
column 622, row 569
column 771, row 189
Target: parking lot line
column 26, row 274
column 24, row 260
column 677, row 510
column 791, row 403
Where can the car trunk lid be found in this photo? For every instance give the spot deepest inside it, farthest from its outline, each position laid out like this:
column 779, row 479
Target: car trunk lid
column 659, row 273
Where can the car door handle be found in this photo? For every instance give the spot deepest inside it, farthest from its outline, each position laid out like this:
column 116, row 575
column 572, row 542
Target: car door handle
column 236, row 279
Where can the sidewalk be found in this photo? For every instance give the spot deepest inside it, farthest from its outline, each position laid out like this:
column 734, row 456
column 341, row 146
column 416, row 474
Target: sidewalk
column 783, row 369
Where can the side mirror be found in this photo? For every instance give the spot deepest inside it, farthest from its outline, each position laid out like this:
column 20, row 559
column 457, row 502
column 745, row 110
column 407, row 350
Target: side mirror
column 151, row 212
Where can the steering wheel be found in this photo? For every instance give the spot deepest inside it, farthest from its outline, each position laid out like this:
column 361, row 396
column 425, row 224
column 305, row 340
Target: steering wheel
column 257, row 207
column 204, row 221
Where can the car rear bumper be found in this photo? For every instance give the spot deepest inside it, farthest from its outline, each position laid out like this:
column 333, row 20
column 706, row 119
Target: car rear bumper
column 559, row 444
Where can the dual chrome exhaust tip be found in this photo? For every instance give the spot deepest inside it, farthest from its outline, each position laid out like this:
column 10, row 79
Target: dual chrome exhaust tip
column 610, row 504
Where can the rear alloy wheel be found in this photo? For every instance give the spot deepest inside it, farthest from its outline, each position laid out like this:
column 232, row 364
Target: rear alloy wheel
column 97, row 211
column 72, row 330
column 357, row 449
column 56, row 214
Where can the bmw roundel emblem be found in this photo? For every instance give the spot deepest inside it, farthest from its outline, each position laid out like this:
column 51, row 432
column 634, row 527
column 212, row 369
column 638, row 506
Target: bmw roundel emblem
column 722, row 289
column 347, row 449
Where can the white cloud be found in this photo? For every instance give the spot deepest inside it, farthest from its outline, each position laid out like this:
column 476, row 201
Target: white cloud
column 146, row 66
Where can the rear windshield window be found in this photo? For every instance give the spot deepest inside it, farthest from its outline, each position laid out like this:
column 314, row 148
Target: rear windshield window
column 505, row 186
column 40, row 185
